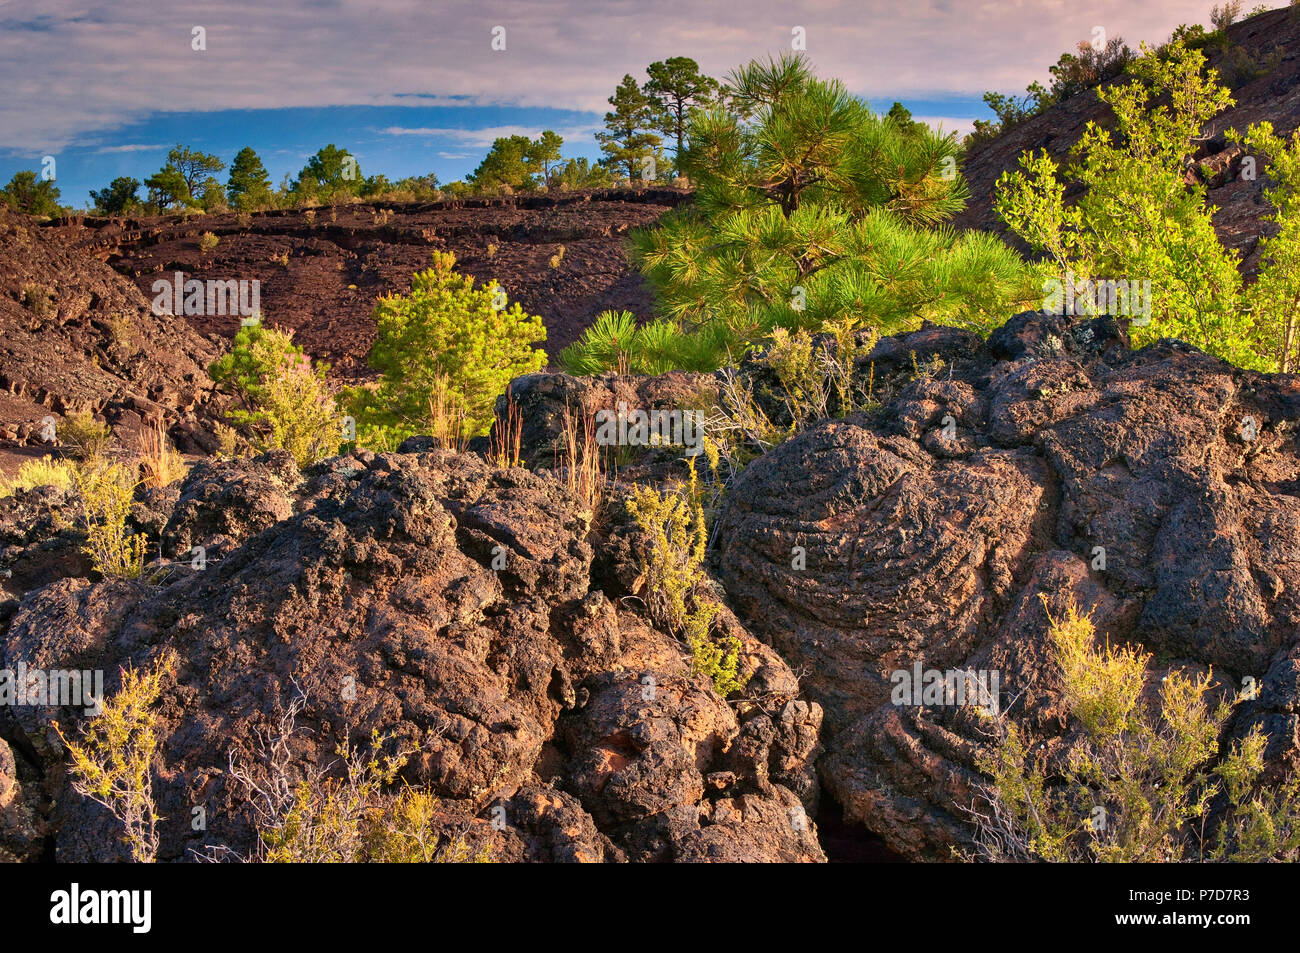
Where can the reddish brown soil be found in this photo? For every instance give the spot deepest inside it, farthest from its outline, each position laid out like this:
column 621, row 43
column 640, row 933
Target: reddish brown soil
column 76, row 336
column 341, row 259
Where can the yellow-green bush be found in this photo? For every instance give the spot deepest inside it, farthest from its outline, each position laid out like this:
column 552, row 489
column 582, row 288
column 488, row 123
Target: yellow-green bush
column 84, row 436
column 1140, row 219
column 818, row 378
column 354, row 820
column 672, row 564
column 1138, row 780
column 112, row 764
column 43, row 471
column 106, row 490
column 1275, row 293
column 285, row 403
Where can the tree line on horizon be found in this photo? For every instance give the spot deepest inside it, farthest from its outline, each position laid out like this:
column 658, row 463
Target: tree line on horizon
column 645, row 119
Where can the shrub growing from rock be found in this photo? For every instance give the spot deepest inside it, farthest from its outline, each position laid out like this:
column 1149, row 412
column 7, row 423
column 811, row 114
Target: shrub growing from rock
column 672, row 563
column 84, row 437
column 352, row 819
column 1139, row 782
column 112, row 763
column 44, row 471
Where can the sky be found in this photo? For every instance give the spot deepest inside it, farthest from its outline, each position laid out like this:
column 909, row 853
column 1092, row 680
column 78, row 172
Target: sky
column 106, row 87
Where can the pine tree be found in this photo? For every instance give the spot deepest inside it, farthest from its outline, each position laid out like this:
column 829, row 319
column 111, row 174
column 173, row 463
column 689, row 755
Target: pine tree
column 505, row 164
column 249, row 186
column 813, row 210
column 375, row 185
column 193, row 166
column 211, row 195
column 628, row 141
column 902, row 116
column 545, row 152
column 579, row 173
column 329, row 173
column 167, row 188
column 446, row 338
column 117, row 197
column 676, row 86
column 26, row 194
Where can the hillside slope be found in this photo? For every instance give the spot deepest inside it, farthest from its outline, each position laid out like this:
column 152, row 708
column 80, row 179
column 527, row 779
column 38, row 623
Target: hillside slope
column 321, row 270
column 77, row 336
column 1269, row 41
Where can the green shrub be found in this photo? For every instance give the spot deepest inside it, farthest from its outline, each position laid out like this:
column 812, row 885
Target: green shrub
column 579, row 173
column 253, row 357
column 284, row 400
column 31, row 194
column 446, row 334
column 118, row 198
column 1138, row 218
column 1275, row 295
column 816, row 378
column 84, row 436
column 37, row 300
column 1138, row 781
column 356, row 820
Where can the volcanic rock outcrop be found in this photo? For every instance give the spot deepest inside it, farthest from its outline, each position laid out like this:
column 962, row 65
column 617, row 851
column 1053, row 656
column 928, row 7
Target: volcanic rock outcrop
column 447, row 605
column 484, row 618
column 1158, row 488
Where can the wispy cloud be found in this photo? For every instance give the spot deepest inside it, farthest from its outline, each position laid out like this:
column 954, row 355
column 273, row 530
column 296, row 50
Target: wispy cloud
column 131, row 147
column 948, row 124
column 486, row 136
column 79, row 67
